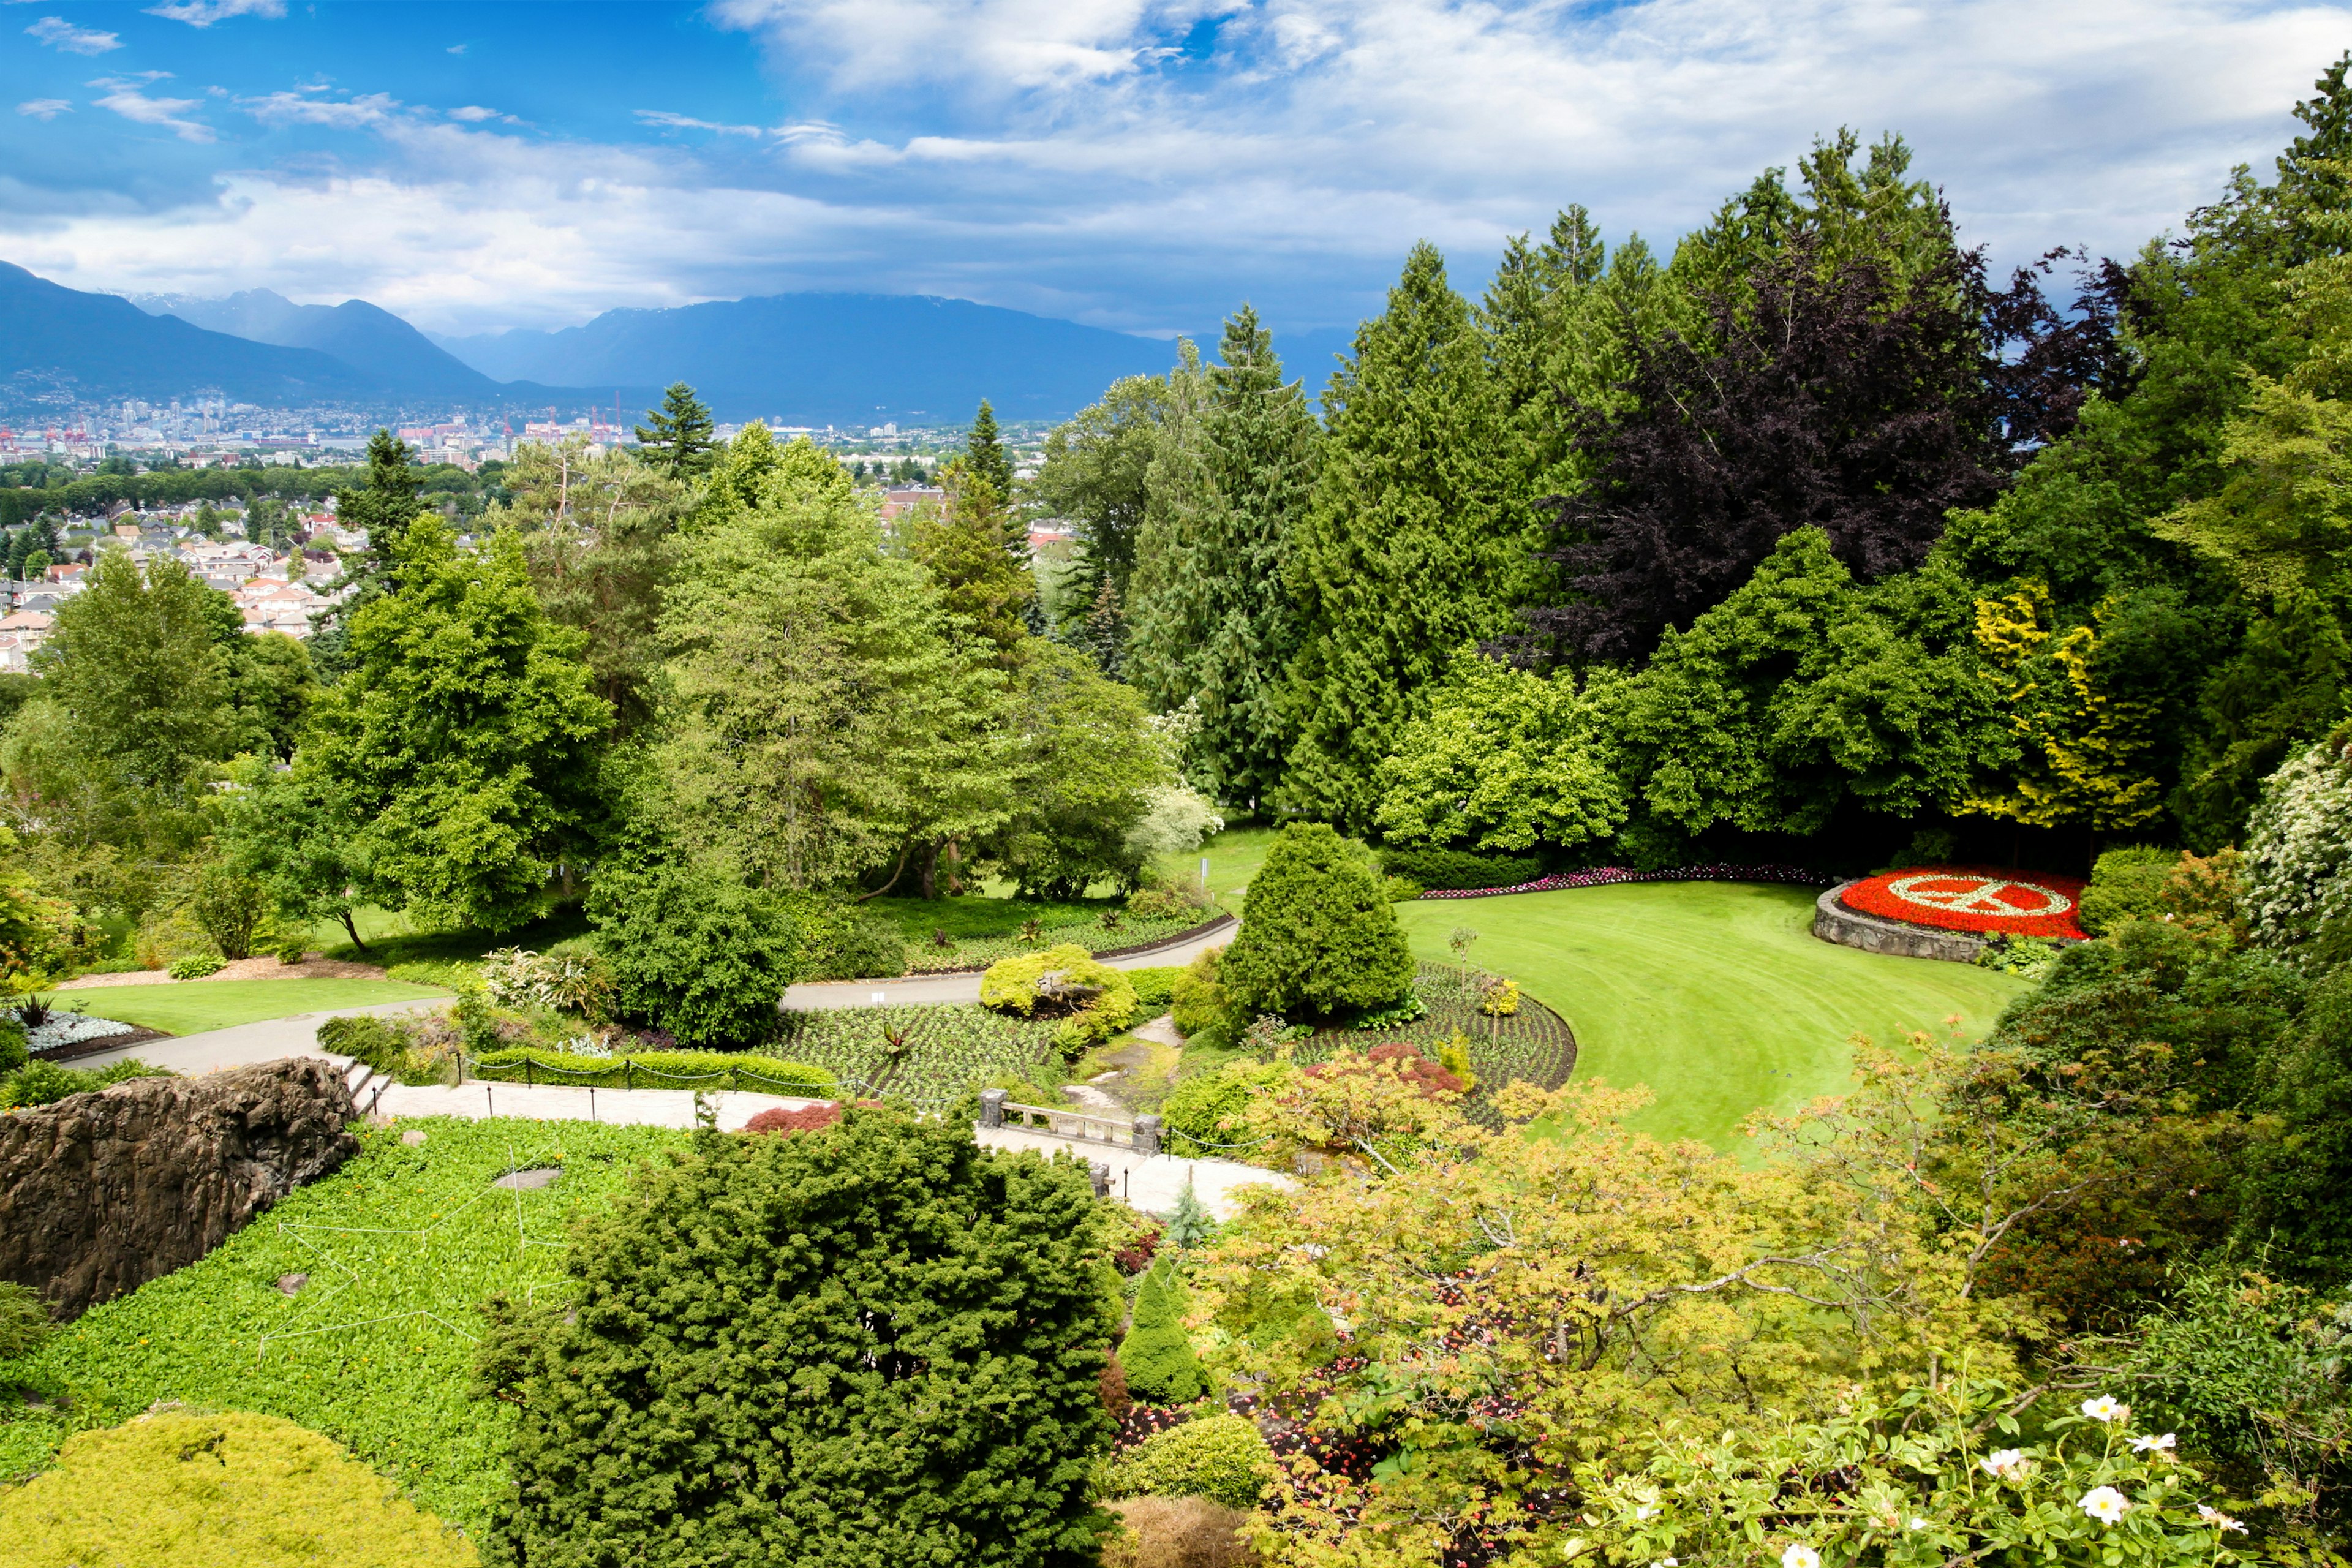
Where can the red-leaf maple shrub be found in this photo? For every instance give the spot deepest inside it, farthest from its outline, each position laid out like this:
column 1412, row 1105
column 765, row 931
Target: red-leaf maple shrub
column 1990, row 900
column 808, row 1119
column 1413, row 1067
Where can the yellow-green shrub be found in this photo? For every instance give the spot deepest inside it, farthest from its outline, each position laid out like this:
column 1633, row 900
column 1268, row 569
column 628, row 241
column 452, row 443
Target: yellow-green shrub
column 1011, row 987
column 252, row 1489
column 1221, row 1458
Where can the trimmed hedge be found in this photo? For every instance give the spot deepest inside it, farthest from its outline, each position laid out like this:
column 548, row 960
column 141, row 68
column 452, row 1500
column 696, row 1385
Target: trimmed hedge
column 653, row 1070
column 1456, row 869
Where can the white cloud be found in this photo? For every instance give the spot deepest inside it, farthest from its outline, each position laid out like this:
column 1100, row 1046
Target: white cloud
column 205, row 12
column 60, row 34
column 455, row 49
column 1018, row 45
column 1061, row 161
column 45, row 108
column 369, row 110
column 473, row 114
column 664, row 118
column 124, row 97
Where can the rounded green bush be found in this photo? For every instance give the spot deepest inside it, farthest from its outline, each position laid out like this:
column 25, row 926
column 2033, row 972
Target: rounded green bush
column 695, row 952
column 1203, row 1111
column 2127, row 885
column 1318, row 936
column 1221, row 1458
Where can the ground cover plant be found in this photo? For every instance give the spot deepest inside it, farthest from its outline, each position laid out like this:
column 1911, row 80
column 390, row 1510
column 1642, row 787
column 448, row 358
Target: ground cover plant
column 1715, row 995
column 401, row 1247
column 930, row 1057
column 249, row 1490
column 188, row 1009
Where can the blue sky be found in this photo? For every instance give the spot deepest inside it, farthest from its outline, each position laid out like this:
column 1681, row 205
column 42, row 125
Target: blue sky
column 1133, row 164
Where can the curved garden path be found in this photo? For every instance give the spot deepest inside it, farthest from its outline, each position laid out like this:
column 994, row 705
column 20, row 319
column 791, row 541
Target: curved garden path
column 938, row 989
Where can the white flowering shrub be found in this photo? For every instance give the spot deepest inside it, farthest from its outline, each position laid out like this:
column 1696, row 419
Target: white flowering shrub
column 2298, row 868
column 1176, row 820
column 1915, row 1482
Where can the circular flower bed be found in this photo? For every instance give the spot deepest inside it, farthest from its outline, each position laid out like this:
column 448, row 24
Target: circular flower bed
column 1983, row 899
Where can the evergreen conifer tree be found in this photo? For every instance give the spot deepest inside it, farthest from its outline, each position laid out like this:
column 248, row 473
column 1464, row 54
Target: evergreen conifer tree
column 1409, row 549
column 1259, row 443
column 1156, row 1353
column 970, row 548
column 985, row 457
column 679, row 439
column 1318, row 935
column 384, row 507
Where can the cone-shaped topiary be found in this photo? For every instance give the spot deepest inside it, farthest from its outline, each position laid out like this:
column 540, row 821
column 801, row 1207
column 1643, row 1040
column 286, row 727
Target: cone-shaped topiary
column 1317, row 937
column 1156, row 1353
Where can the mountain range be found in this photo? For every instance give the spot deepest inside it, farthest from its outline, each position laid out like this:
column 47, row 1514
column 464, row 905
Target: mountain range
column 360, row 334
column 798, row 359
column 808, row 359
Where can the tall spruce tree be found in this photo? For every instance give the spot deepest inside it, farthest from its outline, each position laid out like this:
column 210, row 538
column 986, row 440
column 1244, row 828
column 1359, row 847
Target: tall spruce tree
column 680, row 440
column 384, row 506
column 1259, row 445
column 1095, row 478
column 1168, row 619
column 1409, row 549
column 984, row 454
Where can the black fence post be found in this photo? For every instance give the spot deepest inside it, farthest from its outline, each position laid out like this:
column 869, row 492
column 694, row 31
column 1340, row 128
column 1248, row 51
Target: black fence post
column 526, row 1070
column 628, row 1073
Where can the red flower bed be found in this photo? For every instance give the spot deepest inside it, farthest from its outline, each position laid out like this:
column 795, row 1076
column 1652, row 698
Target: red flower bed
column 1984, row 898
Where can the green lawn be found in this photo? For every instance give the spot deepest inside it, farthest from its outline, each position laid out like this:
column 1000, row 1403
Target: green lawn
column 1235, row 857
column 193, row 1007
column 1715, row 995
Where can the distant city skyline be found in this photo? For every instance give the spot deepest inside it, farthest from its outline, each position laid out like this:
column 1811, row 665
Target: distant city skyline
column 1138, row 164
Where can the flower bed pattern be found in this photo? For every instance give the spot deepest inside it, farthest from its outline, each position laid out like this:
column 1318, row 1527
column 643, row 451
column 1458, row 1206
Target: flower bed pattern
column 1535, row 1043
column 1600, row 876
column 1989, row 900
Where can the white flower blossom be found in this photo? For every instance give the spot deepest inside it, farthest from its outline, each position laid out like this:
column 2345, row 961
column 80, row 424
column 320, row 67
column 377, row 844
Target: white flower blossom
column 2004, row 1463
column 2105, row 1504
column 2218, row 1519
column 2105, row 1408
column 1918, row 1524
column 1647, row 1510
column 2146, row 1445
column 1800, row 1556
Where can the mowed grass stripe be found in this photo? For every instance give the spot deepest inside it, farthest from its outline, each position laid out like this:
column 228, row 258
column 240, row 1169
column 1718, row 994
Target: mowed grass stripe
column 194, row 1006
column 1715, row 995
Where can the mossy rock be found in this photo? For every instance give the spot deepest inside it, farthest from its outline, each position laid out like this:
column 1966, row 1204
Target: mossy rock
column 249, row 1490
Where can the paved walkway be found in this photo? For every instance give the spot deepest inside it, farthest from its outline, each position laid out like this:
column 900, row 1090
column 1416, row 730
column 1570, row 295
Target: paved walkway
column 266, row 1041
column 479, row 1101
column 936, row 989
column 1146, row 1181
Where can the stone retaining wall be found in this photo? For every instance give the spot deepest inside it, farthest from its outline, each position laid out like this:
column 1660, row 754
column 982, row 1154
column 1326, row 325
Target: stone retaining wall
column 1833, row 922
column 102, row 1192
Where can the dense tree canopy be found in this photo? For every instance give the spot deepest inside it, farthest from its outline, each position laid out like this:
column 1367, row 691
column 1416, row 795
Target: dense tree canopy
column 462, row 734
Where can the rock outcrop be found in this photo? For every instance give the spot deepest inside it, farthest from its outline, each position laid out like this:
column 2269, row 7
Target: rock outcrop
column 102, row 1192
